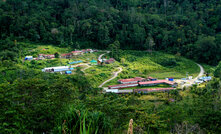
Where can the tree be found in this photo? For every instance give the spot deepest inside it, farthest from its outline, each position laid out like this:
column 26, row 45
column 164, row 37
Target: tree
column 207, row 50
column 56, row 55
column 114, row 48
column 149, row 43
column 217, row 72
column 122, row 60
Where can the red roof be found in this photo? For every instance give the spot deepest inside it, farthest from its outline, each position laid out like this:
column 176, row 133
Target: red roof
column 150, row 77
column 132, row 79
column 122, row 85
column 154, row 89
column 76, row 51
column 66, row 54
column 157, row 82
column 111, row 59
column 50, row 55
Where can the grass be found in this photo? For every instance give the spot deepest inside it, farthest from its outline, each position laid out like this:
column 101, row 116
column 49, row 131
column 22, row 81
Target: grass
column 98, row 74
column 157, row 64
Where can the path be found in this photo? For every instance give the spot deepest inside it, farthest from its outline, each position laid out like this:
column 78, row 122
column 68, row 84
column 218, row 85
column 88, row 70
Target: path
column 87, row 64
column 82, row 64
column 99, row 58
column 115, row 75
column 191, row 82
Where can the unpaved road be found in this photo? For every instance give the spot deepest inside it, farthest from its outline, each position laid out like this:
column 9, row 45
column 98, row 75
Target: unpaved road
column 99, row 58
column 191, row 82
column 114, row 76
column 87, row 64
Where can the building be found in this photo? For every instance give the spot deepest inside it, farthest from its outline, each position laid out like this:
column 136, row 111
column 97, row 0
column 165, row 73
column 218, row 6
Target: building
column 157, row 82
column 89, row 50
column 125, row 91
column 28, row 57
column 122, row 86
column 56, row 69
column 131, row 80
column 41, row 56
column 205, row 78
column 170, row 79
column 75, row 53
column 148, row 90
column 49, row 56
column 76, row 62
column 67, row 55
column 111, row 60
column 93, row 62
column 111, row 91
column 68, row 72
column 151, row 79
column 46, row 56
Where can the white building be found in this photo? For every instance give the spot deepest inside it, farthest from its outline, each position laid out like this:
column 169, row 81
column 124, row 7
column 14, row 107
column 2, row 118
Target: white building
column 56, row 69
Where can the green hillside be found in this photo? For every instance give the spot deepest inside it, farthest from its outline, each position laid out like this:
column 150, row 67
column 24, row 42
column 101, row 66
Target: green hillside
column 51, row 82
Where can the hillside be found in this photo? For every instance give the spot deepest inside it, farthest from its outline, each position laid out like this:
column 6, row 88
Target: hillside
column 54, row 102
column 190, row 28
column 110, row 66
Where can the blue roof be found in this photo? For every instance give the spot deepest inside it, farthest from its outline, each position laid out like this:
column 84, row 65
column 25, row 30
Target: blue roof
column 94, row 61
column 75, row 62
column 206, row 78
column 68, row 72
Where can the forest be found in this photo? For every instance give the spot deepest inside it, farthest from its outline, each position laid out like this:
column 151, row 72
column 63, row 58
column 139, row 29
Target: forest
column 32, row 101
column 185, row 27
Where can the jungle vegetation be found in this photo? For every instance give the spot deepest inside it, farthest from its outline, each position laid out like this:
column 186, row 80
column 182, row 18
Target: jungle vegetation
column 35, row 102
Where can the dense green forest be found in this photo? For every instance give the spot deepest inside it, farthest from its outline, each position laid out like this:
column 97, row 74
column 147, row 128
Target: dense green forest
column 35, row 102
column 187, row 27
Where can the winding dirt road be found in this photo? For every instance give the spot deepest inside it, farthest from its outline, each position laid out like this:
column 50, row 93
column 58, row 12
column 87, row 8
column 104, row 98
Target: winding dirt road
column 191, row 82
column 99, row 58
column 114, row 76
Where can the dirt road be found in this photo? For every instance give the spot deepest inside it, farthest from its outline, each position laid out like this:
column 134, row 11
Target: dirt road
column 114, row 76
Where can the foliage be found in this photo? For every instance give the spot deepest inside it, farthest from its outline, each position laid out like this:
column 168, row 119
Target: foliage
column 217, row 72
column 35, row 102
column 173, row 26
column 156, row 64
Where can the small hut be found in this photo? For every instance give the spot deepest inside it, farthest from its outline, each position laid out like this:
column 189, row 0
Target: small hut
column 28, row 57
column 93, row 62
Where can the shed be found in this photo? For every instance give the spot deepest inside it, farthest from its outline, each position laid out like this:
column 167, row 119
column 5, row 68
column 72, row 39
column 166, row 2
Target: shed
column 151, row 79
column 154, row 79
column 77, row 53
column 56, row 69
column 75, row 62
column 170, row 79
column 67, row 55
column 111, row 60
column 93, row 62
column 28, row 57
column 111, row 90
column 68, row 72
